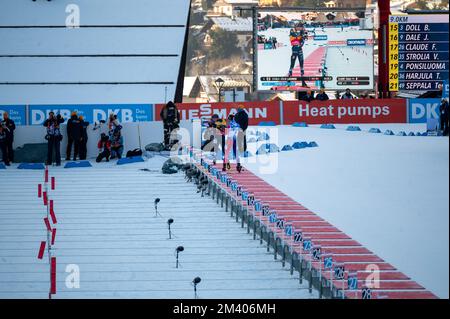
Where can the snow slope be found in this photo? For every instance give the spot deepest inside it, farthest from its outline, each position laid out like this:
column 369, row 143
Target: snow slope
column 389, row 193
column 107, row 227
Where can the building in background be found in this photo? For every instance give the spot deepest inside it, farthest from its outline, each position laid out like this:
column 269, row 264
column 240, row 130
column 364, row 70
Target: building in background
column 206, row 88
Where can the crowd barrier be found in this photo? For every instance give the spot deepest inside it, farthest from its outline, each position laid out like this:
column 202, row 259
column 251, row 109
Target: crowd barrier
column 136, row 135
column 261, row 112
column 142, row 123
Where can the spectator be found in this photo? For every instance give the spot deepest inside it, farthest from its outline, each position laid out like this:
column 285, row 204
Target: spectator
column 347, row 95
column 113, row 124
column 171, row 119
column 322, row 96
column 117, row 145
column 84, row 138
column 443, row 110
column 3, row 145
column 54, row 138
column 74, row 131
column 9, row 127
column 241, row 118
column 104, row 148
column 308, row 97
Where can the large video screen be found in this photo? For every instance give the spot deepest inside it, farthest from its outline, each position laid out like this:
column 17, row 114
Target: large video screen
column 312, row 50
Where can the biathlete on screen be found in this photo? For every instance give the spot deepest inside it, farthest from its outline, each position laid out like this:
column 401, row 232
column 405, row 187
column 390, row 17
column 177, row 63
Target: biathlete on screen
column 298, row 37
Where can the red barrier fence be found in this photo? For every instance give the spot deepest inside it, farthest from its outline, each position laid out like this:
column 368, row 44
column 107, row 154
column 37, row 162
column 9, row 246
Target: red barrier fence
column 316, row 112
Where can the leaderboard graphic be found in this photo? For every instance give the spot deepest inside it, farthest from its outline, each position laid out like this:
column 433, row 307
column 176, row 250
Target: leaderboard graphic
column 298, row 50
column 418, row 52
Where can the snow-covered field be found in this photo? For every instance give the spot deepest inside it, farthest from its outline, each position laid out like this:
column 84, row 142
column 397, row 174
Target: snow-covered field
column 389, row 193
column 273, row 63
column 349, row 61
column 107, row 228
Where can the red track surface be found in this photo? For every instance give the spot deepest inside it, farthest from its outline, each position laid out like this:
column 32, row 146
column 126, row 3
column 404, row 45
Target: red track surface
column 391, row 283
column 313, row 63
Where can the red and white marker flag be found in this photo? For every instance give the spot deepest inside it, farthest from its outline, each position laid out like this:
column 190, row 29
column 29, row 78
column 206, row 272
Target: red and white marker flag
column 41, row 250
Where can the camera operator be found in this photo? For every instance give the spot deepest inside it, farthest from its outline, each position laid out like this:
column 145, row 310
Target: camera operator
column 104, row 148
column 171, row 119
column 9, row 126
column 54, row 138
column 74, row 132
column 3, row 145
column 84, row 138
column 116, row 145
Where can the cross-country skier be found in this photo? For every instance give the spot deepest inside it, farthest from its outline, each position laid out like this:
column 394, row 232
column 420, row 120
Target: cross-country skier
column 297, row 37
column 231, row 143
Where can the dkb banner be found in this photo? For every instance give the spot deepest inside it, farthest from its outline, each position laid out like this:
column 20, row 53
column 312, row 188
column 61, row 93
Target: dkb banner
column 16, row 113
column 93, row 113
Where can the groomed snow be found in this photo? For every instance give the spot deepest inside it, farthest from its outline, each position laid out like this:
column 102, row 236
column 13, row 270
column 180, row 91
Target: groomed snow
column 389, row 193
column 107, row 227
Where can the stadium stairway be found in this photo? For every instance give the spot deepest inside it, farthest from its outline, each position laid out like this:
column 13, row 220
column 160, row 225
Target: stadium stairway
column 306, row 241
column 107, row 229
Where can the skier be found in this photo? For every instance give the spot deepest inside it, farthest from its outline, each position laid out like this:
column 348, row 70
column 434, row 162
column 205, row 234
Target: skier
column 171, row 119
column 298, row 38
column 231, row 144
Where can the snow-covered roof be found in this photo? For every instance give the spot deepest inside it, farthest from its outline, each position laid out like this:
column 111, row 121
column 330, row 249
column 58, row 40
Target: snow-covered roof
column 189, row 82
column 236, row 24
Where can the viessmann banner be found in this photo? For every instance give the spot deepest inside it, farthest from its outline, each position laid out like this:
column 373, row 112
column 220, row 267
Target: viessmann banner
column 257, row 111
column 346, row 111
